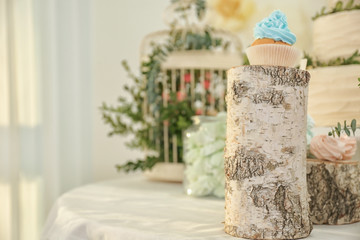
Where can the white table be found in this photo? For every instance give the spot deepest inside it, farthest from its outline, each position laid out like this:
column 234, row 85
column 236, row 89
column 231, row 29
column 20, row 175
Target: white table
column 136, row 209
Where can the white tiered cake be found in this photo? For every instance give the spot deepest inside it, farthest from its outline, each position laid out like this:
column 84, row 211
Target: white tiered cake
column 333, row 95
column 334, row 186
column 336, row 35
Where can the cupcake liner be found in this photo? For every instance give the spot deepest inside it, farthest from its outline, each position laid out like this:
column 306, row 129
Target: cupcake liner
column 273, row 54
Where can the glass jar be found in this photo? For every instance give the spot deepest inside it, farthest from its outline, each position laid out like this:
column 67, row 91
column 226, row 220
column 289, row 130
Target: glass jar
column 204, row 144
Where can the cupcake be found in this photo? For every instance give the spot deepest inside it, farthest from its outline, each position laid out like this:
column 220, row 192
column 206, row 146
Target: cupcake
column 273, row 42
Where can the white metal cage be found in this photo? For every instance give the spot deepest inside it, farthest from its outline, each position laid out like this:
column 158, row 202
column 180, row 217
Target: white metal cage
column 198, row 75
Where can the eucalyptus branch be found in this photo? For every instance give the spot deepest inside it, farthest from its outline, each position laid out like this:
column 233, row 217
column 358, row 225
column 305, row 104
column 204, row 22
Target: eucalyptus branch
column 200, row 7
column 336, row 131
column 139, row 164
column 315, row 63
column 339, row 7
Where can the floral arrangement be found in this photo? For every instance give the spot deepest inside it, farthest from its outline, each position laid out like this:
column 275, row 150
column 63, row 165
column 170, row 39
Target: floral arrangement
column 204, row 157
column 333, row 149
column 335, row 146
column 129, row 118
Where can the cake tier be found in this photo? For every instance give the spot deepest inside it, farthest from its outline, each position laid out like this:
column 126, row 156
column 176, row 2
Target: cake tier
column 334, row 95
column 336, row 35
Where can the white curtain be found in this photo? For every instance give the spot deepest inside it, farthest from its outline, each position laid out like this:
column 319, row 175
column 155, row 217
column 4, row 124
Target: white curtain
column 45, row 109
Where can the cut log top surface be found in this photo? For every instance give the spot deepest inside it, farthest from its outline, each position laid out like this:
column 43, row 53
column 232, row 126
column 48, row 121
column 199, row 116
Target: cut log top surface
column 350, row 162
column 279, row 75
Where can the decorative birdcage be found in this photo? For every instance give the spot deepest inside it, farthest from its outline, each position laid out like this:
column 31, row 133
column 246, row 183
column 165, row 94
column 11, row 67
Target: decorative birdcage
column 183, row 73
column 196, row 72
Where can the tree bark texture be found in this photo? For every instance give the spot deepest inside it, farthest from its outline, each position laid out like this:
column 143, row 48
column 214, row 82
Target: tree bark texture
column 334, row 190
column 265, row 153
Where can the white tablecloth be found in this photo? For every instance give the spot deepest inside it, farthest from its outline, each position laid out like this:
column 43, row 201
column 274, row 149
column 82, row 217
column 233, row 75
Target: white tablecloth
column 136, row 209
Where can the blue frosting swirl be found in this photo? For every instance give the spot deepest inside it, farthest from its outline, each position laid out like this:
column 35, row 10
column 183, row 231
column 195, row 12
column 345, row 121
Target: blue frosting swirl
column 275, row 27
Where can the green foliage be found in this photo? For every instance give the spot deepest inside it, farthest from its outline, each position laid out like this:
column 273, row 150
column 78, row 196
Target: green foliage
column 139, row 164
column 178, row 116
column 336, row 131
column 127, row 118
column 359, row 82
column 245, row 60
column 314, row 63
column 353, row 126
column 339, row 7
column 200, row 8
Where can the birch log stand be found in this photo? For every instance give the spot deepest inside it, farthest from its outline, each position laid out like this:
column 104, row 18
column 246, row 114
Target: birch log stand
column 334, row 190
column 265, row 153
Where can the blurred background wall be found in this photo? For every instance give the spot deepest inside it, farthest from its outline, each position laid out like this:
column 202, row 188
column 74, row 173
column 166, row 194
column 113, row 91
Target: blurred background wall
column 118, row 28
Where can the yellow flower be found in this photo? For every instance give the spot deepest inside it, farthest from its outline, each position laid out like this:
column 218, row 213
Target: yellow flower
column 230, row 15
